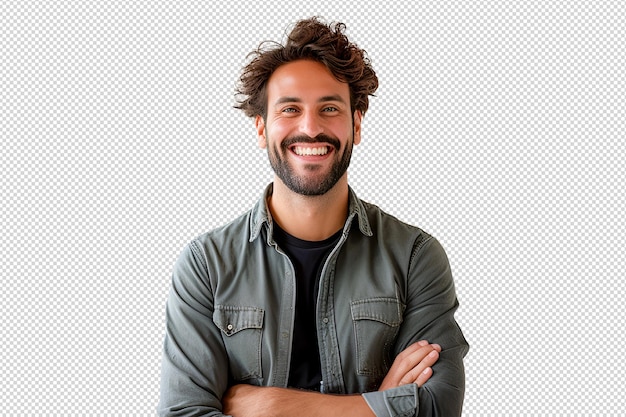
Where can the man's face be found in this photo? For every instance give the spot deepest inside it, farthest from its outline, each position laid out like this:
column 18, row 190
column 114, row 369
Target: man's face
column 309, row 130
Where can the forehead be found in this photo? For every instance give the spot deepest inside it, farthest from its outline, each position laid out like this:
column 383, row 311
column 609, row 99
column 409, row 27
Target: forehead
column 305, row 79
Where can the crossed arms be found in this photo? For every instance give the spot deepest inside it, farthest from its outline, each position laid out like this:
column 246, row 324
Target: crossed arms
column 193, row 376
column 411, row 366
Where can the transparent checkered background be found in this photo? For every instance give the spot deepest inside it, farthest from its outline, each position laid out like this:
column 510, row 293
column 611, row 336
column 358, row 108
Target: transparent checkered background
column 498, row 127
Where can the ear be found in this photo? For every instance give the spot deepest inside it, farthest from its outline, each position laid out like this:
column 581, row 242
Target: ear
column 357, row 118
column 260, row 132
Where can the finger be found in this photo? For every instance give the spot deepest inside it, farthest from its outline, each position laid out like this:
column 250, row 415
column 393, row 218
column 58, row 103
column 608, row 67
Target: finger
column 413, row 351
column 407, row 366
column 413, row 374
column 419, row 355
column 412, row 348
column 403, row 364
column 424, row 376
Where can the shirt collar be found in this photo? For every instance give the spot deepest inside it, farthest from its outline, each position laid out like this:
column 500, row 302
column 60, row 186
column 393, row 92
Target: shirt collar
column 261, row 215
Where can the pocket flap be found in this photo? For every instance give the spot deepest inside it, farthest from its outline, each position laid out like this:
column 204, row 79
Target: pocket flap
column 384, row 310
column 232, row 319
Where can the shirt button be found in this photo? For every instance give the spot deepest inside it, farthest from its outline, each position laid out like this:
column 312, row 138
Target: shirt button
column 229, row 327
column 325, row 320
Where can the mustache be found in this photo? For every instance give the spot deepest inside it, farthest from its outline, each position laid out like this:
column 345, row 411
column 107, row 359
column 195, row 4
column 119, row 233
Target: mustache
column 321, row 138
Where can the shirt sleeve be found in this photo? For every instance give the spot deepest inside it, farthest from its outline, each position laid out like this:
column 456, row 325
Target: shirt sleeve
column 431, row 304
column 396, row 402
column 194, row 373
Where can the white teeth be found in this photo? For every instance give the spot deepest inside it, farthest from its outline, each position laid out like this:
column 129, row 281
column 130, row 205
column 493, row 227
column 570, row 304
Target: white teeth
column 302, row 151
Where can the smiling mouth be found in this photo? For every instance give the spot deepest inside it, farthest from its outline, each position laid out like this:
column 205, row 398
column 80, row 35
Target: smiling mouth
column 310, row 151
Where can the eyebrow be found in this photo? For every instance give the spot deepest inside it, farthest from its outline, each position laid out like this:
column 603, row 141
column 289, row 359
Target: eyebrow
column 287, row 99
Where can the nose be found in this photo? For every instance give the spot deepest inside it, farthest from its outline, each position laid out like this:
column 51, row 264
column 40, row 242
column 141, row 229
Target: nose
column 310, row 124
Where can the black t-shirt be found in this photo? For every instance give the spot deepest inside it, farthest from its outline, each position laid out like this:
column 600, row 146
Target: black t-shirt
column 308, row 259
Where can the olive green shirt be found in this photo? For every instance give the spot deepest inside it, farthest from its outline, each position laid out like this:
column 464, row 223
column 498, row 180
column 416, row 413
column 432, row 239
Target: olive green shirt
column 385, row 285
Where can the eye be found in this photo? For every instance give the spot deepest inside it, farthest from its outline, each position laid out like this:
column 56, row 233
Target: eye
column 330, row 109
column 289, row 110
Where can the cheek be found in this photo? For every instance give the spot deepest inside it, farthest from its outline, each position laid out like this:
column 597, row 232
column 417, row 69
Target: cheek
column 278, row 130
column 343, row 133
column 342, row 127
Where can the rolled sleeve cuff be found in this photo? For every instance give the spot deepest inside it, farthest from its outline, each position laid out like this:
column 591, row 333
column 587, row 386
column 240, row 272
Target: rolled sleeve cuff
column 395, row 402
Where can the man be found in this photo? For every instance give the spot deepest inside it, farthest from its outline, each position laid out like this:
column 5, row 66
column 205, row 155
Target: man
column 314, row 303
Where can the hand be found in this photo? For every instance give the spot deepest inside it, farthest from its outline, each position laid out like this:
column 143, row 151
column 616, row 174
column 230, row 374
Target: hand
column 412, row 365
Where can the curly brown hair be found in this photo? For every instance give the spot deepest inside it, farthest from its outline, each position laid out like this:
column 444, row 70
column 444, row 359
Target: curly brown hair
column 309, row 39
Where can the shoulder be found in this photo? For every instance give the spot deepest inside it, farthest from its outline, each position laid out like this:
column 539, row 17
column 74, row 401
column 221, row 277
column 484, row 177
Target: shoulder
column 402, row 237
column 206, row 253
column 231, row 234
column 389, row 225
column 233, row 229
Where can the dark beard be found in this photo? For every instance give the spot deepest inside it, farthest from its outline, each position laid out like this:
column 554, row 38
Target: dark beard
column 303, row 186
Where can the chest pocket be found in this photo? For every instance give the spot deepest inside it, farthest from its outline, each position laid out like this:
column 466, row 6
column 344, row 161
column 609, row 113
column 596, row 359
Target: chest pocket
column 242, row 329
column 376, row 324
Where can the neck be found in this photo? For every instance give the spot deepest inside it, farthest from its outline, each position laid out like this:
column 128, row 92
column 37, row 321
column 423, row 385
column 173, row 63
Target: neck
column 310, row 218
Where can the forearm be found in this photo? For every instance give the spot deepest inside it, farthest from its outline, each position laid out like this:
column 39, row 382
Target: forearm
column 251, row 401
column 290, row 403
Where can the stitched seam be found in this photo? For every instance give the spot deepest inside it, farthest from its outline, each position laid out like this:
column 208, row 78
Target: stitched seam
column 418, row 245
column 194, row 246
